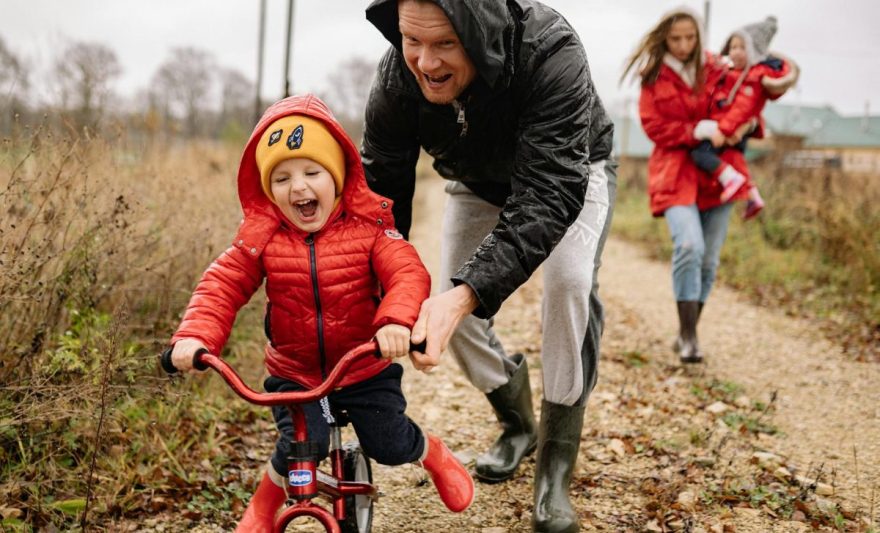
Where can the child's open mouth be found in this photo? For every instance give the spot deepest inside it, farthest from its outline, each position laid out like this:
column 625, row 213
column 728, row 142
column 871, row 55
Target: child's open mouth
column 306, row 208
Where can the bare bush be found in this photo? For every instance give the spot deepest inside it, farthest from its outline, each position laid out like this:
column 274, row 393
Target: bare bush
column 183, row 85
column 91, row 226
column 84, row 72
column 347, row 93
column 13, row 86
column 236, row 105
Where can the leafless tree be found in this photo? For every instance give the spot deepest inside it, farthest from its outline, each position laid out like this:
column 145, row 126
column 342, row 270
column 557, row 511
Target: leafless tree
column 236, row 101
column 348, row 92
column 84, row 72
column 13, row 86
column 183, row 83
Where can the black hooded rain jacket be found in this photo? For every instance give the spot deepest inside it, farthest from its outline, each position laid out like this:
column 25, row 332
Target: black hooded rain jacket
column 521, row 135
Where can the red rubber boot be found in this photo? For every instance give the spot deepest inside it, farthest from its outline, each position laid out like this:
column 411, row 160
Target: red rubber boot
column 754, row 205
column 259, row 517
column 453, row 483
column 732, row 181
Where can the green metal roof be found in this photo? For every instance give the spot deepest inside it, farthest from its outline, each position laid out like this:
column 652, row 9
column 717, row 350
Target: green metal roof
column 801, row 121
column 822, row 126
column 849, row 132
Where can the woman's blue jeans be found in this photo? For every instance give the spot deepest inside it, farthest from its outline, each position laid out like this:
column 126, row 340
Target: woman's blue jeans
column 697, row 238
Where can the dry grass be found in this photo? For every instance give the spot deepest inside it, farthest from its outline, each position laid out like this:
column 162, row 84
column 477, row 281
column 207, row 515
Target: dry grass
column 101, row 242
column 814, row 251
column 92, row 226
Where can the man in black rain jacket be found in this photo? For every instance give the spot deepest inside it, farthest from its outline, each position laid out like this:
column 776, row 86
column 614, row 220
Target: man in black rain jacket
column 500, row 94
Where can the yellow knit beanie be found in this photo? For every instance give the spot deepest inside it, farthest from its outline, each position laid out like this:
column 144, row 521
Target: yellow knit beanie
column 299, row 136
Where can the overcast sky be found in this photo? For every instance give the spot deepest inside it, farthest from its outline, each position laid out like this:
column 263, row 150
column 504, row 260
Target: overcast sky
column 836, row 42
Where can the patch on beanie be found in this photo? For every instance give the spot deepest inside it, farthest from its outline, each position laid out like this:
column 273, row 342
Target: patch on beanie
column 275, row 137
column 296, row 138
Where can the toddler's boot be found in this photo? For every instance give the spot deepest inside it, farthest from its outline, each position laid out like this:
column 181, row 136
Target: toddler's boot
column 259, row 517
column 732, row 181
column 453, row 483
column 754, row 205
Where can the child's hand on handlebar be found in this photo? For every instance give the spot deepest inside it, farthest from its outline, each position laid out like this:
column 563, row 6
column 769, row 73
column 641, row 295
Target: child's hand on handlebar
column 182, row 355
column 393, row 340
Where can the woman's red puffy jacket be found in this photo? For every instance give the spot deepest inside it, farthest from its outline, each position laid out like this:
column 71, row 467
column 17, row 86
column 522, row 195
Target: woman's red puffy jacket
column 669, row 110
column 323, row 288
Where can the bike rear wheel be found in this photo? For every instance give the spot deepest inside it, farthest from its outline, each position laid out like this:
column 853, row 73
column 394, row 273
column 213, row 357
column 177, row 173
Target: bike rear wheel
column 358, row 509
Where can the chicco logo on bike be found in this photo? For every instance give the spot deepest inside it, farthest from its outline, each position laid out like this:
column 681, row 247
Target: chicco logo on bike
column 300, row 478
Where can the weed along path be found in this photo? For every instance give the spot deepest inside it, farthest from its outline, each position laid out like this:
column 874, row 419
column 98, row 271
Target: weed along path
column 777, row 432
column 827, row 407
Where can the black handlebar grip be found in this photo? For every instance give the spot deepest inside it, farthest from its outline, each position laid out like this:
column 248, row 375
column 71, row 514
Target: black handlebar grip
column 165, row 359
column 169, row 367
column 197, row 359
column 420, row 347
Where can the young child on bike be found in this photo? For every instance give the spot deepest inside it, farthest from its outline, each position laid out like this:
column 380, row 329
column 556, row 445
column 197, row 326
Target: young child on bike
column 736, row 107
column 327, row 248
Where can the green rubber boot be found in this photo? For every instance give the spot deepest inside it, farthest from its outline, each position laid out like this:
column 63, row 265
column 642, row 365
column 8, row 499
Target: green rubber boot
column 559, row 438
column 513, row 408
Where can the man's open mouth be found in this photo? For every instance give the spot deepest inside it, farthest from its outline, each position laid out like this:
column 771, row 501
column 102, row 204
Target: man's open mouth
column 437, row 80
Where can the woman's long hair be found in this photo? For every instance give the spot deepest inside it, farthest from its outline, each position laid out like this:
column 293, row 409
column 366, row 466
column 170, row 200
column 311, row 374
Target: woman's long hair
column 648, row 56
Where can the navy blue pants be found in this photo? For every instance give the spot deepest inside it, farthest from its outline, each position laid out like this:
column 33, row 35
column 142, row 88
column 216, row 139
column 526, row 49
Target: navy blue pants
column 375, row 408
column 705, row 156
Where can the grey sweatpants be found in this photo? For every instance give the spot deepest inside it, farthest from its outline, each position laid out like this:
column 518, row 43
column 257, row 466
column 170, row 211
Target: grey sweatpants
column 572, row 317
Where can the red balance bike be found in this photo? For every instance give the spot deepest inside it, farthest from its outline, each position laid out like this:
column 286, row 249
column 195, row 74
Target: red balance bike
column 349, row 487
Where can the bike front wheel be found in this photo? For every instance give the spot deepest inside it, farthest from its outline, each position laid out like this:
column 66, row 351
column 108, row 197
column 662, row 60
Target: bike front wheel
column 359, row 508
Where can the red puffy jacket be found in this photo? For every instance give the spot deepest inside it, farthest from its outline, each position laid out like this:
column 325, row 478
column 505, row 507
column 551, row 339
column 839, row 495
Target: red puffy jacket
column 669, row 110
column 750, row 97
column 322, row 288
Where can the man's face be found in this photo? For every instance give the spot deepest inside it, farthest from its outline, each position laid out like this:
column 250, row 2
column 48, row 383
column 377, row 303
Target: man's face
column 433, row 52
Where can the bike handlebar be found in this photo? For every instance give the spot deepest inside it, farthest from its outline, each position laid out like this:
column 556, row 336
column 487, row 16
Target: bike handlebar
column 203, row 360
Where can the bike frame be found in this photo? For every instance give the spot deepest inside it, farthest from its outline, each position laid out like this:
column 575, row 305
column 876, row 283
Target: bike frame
column 305, row 481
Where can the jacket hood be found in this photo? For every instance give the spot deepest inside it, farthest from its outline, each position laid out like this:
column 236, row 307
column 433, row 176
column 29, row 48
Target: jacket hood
column 262, row 217
column 483, row 26
column 701, row 25
column 757, row 37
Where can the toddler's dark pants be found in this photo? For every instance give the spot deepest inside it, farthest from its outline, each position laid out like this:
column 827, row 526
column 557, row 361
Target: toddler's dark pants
column 705, row 156
column 375, row 408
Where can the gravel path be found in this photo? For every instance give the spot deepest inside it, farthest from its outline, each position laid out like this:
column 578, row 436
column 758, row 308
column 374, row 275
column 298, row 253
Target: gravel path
column 828, row 406
column 661, row 450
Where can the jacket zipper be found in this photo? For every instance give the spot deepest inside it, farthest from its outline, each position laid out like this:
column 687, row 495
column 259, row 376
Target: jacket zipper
column 310, row 240
column 459, row 109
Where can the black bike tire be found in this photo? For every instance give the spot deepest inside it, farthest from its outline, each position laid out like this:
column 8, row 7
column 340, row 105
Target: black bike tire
column 352, row 457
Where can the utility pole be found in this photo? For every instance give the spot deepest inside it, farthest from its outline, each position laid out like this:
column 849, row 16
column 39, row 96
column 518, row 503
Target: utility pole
column 258, row 102
column 624, row 137
column 707, row 8
column 288, row 48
